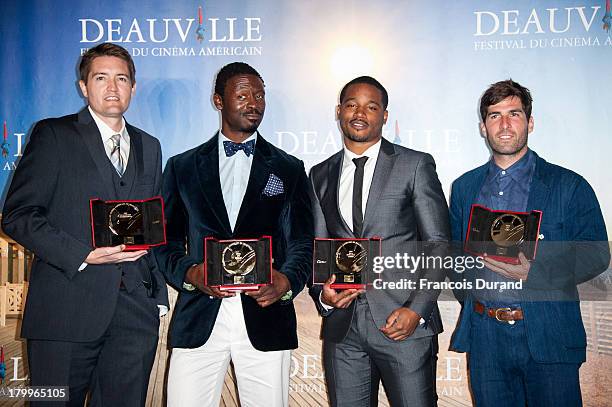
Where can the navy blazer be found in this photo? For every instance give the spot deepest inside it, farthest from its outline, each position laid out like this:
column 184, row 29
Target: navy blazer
column 47, row 211
column 194, row 209
column 571, row 214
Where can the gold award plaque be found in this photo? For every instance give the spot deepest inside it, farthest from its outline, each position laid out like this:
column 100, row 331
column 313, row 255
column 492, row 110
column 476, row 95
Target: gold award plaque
column 124, row 219
column 351, row 258
column 238, row 260
column 508, row 230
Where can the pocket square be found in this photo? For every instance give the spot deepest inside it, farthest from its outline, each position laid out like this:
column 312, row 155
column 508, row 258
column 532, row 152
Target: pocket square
column 274, row 186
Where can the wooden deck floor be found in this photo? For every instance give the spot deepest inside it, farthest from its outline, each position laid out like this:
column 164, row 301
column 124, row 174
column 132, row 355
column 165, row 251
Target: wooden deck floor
column 307, row 384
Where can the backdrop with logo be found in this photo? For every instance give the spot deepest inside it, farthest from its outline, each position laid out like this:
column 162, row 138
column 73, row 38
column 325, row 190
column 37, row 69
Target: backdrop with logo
column 435, row 59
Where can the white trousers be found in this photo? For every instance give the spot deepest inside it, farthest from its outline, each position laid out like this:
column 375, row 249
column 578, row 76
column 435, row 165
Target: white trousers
column 196, row 375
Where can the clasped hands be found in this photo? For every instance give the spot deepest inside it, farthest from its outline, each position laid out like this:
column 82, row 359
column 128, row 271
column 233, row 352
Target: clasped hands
column 265, row 295
column 400, row 324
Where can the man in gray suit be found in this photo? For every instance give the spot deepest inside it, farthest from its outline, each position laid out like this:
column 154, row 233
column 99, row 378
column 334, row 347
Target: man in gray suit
column 375, row 188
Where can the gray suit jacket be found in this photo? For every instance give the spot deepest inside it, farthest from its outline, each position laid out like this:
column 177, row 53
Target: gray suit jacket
column 407, row 208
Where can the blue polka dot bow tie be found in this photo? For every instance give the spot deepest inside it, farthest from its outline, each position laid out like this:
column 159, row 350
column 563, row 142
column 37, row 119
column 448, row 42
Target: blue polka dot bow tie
column 232, row 148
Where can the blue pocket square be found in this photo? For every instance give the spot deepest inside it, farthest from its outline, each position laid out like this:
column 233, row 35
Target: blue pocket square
column 274, row 186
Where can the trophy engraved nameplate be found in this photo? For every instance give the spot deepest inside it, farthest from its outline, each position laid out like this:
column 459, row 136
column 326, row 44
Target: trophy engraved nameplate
column 136, row 224
column 239, row 264
column 350, row 260
column 502, row 235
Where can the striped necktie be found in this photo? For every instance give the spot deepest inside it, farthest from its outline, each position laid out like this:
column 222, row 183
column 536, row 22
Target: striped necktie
column 115, row 155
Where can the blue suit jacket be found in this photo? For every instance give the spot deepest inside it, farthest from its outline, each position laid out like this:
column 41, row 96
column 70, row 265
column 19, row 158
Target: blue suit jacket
column 47, row 211
column 194, row 209
column 571, row 214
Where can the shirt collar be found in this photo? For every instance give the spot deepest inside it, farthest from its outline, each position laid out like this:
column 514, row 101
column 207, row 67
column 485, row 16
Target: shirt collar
column 519, row 171
column 104, row 128
column 222, row 138
column 371, row 152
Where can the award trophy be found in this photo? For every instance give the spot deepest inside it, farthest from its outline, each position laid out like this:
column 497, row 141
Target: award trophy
column 241, row 264
column 503, row 234
column 349, row 259
column 238, row 259
column 138, row 224
column 125, row 219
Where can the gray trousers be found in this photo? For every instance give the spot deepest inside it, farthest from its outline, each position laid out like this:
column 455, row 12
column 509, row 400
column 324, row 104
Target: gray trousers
column 355, row 366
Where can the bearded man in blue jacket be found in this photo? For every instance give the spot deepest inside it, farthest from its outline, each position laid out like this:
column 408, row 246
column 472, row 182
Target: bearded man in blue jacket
column 525, row 347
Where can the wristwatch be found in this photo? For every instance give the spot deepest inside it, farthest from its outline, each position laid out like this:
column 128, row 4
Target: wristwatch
column 187, row 286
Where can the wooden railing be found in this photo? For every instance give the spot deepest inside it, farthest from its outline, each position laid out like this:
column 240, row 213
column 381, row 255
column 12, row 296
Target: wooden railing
column 15, row 262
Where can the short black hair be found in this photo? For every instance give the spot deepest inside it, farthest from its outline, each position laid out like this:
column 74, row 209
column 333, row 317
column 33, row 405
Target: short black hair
column 370, row 81
column 502, row 90
column 106, row 49
column 231, row 70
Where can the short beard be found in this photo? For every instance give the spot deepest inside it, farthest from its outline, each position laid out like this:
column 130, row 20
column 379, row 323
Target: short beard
column 250, row 129
column 356, row 139
column 365, row 139
column 516, row 151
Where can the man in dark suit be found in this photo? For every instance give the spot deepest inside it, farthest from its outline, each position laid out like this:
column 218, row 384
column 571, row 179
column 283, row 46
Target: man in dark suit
column 526, row 346
column 91, row 316
column 375, row 188
column 234, row 186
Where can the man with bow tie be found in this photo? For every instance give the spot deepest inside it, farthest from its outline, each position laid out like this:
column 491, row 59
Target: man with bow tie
column 235, row 186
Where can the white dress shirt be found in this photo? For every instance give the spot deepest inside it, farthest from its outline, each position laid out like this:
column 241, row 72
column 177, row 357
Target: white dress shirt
column 106, row 132
column 347, row 178
column 345, row 191
column 234, row 174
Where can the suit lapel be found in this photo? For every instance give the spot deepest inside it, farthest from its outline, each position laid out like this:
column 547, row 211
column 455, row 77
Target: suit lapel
column 87, row 129
column 207, row 163
column 475, row 187
column 382, row 173
column 538, row 190
column 330, row 203
column 136, row 155
column 471, row 195
column 261, row 168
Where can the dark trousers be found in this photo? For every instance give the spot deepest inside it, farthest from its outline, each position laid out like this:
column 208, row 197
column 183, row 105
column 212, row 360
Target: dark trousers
column 504, row 374
column 115, row 368
column 354, row 367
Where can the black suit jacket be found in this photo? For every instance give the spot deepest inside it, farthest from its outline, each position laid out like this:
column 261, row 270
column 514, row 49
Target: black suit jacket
column 195, row 209
column 46, row 210
column 407, row 208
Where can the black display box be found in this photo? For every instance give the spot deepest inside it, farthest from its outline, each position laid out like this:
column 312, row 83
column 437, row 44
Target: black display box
column 137, row 224
column 349, row 259
column 503, row 234
column 239, row 264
